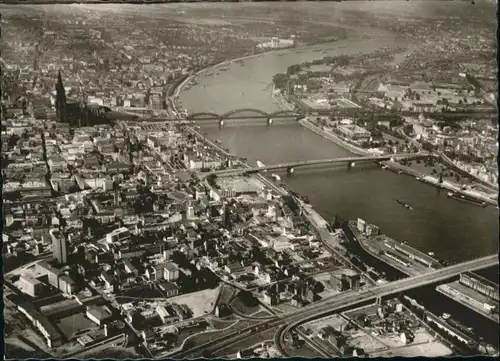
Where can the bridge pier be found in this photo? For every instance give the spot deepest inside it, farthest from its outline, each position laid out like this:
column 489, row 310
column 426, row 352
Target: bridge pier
column 290, row 170
column 221, row 123
column 269, row 121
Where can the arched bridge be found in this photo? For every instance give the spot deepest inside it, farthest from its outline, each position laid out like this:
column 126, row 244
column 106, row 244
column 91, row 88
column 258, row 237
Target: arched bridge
column 245, row 113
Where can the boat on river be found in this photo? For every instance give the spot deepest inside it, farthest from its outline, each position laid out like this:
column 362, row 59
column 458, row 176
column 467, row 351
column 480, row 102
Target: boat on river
column 407, row 206
column 445, row 316
column 467, row 199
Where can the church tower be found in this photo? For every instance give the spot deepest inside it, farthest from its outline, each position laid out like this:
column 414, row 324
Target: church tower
column 61, row 105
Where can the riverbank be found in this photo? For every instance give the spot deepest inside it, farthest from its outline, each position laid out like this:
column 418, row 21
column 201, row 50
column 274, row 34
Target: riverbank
column 401, row 169
column 334, row 138
column 431, row 180
column 357, row 42
column 330, row 241
column 342, row 193
column 470, row 299
column 412, row 262
column 179, row 87
column 436, row 302
column 453, row 164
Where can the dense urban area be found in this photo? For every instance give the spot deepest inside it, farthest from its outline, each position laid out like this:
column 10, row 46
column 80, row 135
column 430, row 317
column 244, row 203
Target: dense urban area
column 128, row 233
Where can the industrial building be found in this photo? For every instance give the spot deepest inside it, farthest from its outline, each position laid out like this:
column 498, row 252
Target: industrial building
column 52, row 337
column 354, row 132
column 51, row 271
column 99, row 315
column 413, row 254
column 66, row 284
column 480, row 285
column 31, row 286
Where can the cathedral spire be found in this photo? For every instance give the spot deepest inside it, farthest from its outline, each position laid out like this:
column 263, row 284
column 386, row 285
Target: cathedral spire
column 61, row 110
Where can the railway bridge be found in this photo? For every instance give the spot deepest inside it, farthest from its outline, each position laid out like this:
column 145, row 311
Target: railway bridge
column 244, row 113
column 288, row 115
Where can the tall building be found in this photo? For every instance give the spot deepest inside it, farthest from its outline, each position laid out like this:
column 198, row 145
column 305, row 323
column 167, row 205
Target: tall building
column 226, row 217
column 61, row 105
column 77, row 113
column 59, row 247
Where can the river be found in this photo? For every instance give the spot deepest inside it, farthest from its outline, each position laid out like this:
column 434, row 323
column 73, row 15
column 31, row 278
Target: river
column 452, row 230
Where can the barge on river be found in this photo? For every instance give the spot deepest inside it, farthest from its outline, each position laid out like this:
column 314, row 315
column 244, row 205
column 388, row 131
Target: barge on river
column 467, row 199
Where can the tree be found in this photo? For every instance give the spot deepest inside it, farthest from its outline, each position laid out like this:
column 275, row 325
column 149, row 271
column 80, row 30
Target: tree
column 293, row 69
column 248, row 298
column 408, row 129
column 280, row 80
column 211, row 179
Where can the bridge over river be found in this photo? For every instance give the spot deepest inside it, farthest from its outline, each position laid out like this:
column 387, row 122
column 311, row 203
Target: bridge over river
column 290, row 166
column 292, row 115
column 288, row 321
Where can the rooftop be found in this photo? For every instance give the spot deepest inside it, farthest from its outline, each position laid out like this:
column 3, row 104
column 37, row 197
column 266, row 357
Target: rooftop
column 99, row 313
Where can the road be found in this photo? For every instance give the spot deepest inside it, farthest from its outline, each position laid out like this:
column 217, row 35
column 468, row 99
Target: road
column 327, row 239
column 338, row 302
column 209, row 142
column 352, row 298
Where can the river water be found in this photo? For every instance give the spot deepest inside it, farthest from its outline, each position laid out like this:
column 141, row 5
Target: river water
column 452, row 230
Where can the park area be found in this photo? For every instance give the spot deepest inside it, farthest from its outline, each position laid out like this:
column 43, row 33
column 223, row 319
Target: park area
column 435, row 169
column 246, row 307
